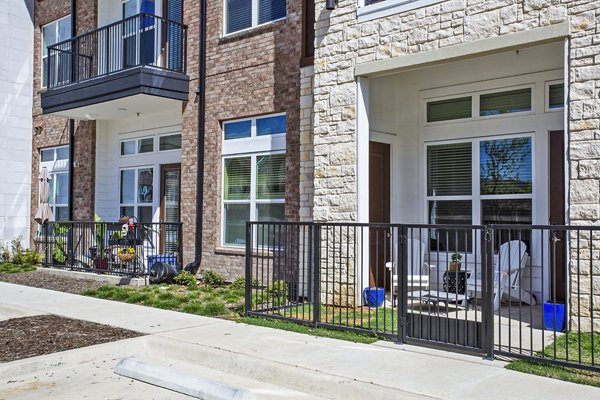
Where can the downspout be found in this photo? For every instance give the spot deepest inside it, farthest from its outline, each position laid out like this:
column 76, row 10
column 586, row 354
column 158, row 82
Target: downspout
column 71, row 121
column 194, row 266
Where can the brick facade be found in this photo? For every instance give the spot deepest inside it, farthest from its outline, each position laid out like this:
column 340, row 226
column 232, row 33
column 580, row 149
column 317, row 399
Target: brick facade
column 248, row 74
column 49, row 131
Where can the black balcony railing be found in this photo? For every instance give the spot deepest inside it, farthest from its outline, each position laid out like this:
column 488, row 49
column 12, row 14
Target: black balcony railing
column 140, row 40
column 110, row 248
column 517, row 291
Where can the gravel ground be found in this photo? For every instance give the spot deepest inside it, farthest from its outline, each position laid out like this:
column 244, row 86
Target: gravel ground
column 52, row 282
column 45, row 334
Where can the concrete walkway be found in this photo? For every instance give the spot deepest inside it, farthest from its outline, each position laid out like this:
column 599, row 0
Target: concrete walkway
column 272, row 364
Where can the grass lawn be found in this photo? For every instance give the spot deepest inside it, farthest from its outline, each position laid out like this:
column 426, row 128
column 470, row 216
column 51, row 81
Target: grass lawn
column 9, row 268
column 309, row 330
column 572, row 344
column 227, row 302
column 223, row 301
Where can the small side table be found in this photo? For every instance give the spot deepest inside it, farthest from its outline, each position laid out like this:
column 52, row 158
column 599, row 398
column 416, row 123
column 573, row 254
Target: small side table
column 456, row 281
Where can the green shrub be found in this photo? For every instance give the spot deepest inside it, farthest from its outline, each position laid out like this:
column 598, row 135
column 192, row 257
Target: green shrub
column 185, row 278
column 18, row 255
column 278, row 292
column 240, row 283
column 212, row 278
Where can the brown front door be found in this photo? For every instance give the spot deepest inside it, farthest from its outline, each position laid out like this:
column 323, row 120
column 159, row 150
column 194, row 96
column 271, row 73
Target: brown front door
column 557, row 214
column 379, row 211
column 170, row 187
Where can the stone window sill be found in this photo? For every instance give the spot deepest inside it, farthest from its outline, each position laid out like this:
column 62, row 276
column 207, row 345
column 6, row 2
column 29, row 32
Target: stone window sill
column 390, row 7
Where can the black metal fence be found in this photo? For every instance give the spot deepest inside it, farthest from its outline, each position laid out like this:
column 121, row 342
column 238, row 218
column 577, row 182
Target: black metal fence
column 499, row 290
column 143, row 39
column 110, row 248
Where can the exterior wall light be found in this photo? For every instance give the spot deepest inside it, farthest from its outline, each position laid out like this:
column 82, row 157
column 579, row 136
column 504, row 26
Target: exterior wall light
column 330, row 4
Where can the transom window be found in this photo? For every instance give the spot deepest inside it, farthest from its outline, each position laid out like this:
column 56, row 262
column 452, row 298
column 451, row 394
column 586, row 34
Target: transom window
column 245, row 14
column 253, row 176
column 482, row 105
column 56, row 161
column 137, row 193
column 146, row 145
column 481, row 181
column 52, row 33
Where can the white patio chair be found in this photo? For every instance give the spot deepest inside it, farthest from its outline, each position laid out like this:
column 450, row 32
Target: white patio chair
column 507, row 275
column 418, row 270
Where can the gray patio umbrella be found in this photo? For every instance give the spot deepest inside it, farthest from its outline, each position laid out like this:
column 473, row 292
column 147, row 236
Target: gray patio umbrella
column 44, row 211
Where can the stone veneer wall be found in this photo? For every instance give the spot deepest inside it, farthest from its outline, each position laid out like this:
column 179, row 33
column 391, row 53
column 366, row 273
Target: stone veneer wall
column 307, row 163
column 342, row 43
column 51, row 131
column 249, row 73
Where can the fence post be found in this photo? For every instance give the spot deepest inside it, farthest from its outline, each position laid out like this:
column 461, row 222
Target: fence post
column 248, row 290
column 402, row 287
column 487, row 290
column 316, row 268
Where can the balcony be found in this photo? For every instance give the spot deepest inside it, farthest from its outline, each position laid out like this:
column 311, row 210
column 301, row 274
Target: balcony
column 138, row 63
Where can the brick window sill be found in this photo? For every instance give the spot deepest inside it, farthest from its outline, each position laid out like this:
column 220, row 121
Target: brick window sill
column 255, row 31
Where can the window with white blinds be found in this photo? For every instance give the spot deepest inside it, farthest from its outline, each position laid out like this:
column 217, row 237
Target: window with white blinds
column 496, row 190
column 253, row 175
column 245, row 14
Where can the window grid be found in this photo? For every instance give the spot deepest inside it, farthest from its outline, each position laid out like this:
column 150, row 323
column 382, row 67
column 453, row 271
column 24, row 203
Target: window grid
column 477, row 199
column 55, row 27
column 253, row 145
column 136, row 204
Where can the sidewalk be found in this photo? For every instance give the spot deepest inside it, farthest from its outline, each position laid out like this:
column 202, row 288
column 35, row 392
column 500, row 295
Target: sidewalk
column 286, row 364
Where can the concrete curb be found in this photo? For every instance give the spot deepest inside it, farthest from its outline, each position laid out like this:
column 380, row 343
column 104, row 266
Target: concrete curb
column 178, row 382
column 110, row 279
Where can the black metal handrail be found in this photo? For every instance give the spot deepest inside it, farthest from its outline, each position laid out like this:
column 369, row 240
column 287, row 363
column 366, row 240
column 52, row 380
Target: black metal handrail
column 111, row 247
column 141, row 40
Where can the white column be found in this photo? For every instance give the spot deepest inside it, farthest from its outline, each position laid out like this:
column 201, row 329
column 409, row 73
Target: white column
column 362, row 175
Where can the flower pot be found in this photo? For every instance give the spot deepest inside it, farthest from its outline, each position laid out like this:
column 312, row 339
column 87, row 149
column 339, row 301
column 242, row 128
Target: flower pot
column 554, row 316
column 374, row 296
column 455, row 266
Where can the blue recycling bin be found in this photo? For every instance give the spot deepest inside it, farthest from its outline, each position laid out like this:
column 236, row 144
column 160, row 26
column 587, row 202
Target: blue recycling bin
column 554, row 316
column 163, row 258
column 374, row 296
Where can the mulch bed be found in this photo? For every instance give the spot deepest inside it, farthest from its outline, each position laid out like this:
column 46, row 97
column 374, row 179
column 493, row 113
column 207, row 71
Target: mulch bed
column 45, row 334
column 52, row 282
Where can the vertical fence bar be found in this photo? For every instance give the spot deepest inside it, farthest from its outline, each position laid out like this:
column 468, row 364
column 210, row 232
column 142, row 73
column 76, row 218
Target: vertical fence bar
column 248, row 282
column 316, row 267
column 487, row 291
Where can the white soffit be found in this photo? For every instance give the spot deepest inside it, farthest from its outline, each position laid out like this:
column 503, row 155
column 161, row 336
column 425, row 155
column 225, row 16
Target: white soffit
column 529, row 38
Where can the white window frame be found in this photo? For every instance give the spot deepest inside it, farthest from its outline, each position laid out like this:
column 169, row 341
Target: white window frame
column 255, row 23
column 55, row 168
column 476, row 197
column 166, row 135
column 42, row 57
column 253, row 147
column 136, row 203
column 547, row 85
column 476, row 104
column 137, row 146
column 389, row 7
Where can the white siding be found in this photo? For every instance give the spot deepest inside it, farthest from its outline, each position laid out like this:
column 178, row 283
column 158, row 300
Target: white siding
column 16, row 80
column 109, row 161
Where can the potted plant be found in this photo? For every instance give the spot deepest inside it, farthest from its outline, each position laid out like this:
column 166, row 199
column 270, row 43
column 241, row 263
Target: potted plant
column 455, row 261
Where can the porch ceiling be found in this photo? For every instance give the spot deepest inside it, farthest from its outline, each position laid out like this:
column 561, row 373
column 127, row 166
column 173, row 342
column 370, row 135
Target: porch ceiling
column 140, row 104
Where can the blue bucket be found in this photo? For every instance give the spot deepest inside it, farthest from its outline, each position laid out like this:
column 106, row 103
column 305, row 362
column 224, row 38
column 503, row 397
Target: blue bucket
column 163, row 258
column 374, row 296
column 552, row 310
